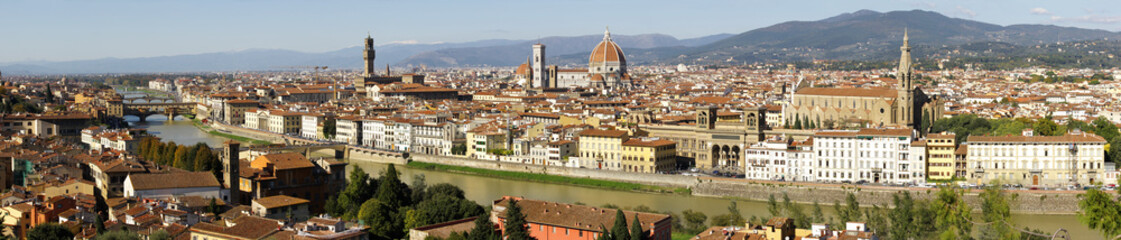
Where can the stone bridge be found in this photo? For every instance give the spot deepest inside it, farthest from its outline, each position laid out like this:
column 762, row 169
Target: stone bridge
column 118, row 108
column 148, row 99
column 342, row 151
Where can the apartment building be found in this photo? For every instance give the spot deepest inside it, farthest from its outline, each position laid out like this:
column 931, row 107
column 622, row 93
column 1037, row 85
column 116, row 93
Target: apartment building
column 871, row 155
column 649, row 155
column 602, row 149
column 1044, row 161
column 940, row 156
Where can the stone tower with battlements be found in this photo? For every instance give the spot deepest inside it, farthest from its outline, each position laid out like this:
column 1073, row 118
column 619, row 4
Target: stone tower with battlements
column 368, row 55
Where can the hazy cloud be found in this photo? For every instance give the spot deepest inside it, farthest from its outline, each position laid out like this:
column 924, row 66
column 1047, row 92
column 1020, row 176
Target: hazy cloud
column 966, row 11
column 1040, row 11
column 1088, row 19
column 927, row 5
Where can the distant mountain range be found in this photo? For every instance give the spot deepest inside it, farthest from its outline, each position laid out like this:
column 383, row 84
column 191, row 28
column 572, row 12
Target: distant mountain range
column 862, row 35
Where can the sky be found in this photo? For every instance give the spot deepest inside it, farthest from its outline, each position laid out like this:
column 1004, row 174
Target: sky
column 63, row 30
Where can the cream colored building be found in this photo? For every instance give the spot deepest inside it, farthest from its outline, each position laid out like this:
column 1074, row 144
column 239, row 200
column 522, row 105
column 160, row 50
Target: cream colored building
column 940, row 156
column 1044, row 161
column 649, row 155
column 603, row 149
column 285, row 122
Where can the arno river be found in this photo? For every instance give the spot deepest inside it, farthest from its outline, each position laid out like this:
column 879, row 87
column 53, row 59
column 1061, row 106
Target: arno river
column 485, row 189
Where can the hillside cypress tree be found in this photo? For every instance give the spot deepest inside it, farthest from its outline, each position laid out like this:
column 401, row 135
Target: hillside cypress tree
column 636, row 229
column 619, row 231
column 515, row 223
column 392, row 191
column 483, row 230
column 797, row 123
column 605, row 235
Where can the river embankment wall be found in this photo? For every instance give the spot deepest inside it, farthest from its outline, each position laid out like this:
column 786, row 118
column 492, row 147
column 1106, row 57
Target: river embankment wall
column 1033, row 202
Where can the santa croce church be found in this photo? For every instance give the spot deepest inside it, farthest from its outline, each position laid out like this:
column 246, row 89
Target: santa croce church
column 901, row 107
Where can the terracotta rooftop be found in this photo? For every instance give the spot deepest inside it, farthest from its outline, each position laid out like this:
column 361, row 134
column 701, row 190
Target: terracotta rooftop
column 173, row 180
column 246, row 227
column 574, row 216
column 280, row 201
column 1069, row 138
column 849, row 92
column 603, row 133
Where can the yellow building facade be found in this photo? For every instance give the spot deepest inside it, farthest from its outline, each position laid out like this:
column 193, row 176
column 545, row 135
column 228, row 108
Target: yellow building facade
column 940, row 156
column 649, row 155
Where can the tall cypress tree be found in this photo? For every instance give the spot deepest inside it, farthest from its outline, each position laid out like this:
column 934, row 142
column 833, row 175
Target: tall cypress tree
column 620, row 231
column 483, row 230
column 636, row 229
column 392, row 191
column 515, row 223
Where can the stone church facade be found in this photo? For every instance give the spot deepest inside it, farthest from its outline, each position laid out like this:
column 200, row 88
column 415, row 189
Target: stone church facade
column 903, row 106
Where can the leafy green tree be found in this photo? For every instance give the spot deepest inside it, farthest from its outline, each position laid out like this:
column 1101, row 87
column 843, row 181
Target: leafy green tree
column 329, row 128
column 736, row 216
column 181, row 161
column 1105, row 128
column 419, row 188
column 636, row 229
column 1046, row 127
column 460, row 149
column 694, row 221
column 168, row 154
column 117, row 235
column 850, row 212
column 923, row 219
column 952, row 214
column 213, row 207
column 441, row 208
column 1115, row 150
column 382, row 220
column 483, row 230
column 391, row 191
column 159, row 235
column 732, row 218
column 795, row 212
column 901, row 216
column 358, row 190
column 818, row 215
column 444, row 189
column 772, row 206
column 50, row 231
column 1100, row 211
column 797, row 123
column 204, row 159
column 874, row 219
column 516, row 228
column 99, row 224
column 996, row 210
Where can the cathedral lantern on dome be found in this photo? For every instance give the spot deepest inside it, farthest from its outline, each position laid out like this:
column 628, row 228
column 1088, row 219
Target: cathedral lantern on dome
column 607, row 65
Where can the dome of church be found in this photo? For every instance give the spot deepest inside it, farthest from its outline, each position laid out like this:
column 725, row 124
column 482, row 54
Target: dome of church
column 607, row 51
column 522, row 69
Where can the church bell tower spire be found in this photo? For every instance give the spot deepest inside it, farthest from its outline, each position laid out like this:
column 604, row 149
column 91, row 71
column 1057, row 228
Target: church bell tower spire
column 906, row 89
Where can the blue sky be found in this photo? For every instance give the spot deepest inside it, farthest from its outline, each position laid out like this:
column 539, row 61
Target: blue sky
column 54, row 30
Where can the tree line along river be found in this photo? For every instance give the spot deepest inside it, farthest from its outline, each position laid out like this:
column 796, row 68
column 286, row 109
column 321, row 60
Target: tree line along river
column 485, row 189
